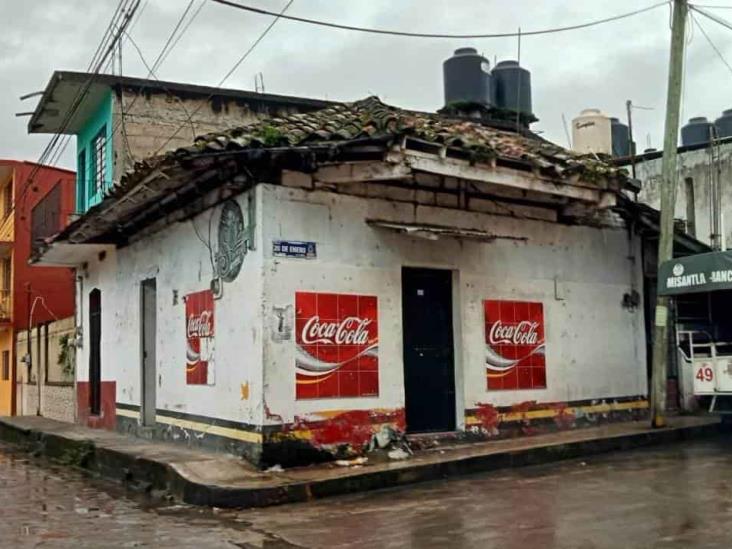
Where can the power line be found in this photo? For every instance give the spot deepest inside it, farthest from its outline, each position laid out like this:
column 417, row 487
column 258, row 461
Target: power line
column 155, row 76
column 714, row 47
column 106, row 47
column 182, row 32
column 710, row 7
column 103, row 51
column 139, row 15
column 121, row 18
column 434, row 35
column 167, row 48
column 713, row 17
column 158, row 61
column 231, row 71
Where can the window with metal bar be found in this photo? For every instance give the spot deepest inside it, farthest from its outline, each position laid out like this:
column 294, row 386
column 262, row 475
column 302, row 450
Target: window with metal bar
column 7, row 199
column 99, row 146
column 6, row 365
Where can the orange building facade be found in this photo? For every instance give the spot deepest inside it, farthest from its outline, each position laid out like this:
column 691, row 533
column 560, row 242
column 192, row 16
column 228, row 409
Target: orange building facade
column 36, row 202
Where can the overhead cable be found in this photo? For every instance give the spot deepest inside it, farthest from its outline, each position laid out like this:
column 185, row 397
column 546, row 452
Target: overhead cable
column 714, row 47
column 164, row 52
column 230, row 72
column 435, row 35
column 715, row 18
column 120, row 20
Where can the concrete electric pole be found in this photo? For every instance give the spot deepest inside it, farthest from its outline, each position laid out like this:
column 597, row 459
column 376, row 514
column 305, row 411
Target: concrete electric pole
column 668, row 202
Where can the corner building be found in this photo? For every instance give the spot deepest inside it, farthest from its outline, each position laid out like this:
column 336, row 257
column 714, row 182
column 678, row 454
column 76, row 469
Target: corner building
column 288, row 289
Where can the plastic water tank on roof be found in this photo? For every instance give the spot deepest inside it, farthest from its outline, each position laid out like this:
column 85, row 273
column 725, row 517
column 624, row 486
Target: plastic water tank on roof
column 697, row 130
column 513, row 87
column 620, row 138
column 467, row 78
column 591, row 132
column 724, row 124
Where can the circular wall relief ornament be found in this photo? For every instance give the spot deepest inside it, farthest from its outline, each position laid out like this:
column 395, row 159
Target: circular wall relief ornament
column 232, row 241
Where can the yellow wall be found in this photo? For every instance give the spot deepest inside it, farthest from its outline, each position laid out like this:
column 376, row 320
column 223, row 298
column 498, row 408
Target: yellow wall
column 6, row 386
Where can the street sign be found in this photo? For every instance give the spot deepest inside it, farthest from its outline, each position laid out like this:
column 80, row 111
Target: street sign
column 294, row 248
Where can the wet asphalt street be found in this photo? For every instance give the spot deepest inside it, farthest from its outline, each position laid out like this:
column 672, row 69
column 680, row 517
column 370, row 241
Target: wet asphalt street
column 671, row 496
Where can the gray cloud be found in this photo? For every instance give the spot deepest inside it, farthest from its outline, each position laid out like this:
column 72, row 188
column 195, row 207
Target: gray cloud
column 599, row 67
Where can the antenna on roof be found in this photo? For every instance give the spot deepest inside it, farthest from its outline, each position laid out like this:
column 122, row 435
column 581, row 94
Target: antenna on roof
column 259, row 82
column 518, row 87
column 566, row 131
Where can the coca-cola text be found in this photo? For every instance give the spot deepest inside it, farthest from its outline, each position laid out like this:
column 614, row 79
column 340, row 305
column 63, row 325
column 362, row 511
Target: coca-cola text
column 523, row 333
column 200, row 325
column 351, row 330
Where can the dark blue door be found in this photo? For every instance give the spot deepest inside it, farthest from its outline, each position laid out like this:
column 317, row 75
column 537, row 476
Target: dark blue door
column 429, row 379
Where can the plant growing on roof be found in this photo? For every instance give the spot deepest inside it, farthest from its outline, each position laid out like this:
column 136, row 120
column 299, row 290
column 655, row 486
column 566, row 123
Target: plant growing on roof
column 272, row 136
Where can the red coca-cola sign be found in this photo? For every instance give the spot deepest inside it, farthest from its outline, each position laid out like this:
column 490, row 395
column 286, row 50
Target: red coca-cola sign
column 514, row 351
column 199, row 337
column 336, row 345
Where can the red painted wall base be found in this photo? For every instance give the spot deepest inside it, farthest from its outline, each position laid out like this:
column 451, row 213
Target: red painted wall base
column 107, row 417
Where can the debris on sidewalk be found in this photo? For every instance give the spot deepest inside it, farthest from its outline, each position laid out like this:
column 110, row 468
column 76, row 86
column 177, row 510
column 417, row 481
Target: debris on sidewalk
column 352, row 462
column 398, row 454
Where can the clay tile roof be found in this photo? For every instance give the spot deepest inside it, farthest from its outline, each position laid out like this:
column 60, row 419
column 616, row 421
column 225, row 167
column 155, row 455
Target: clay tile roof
column 324, row 133
column 370, row 118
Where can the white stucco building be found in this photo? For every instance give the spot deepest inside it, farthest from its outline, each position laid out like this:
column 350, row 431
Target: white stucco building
column 288, row 289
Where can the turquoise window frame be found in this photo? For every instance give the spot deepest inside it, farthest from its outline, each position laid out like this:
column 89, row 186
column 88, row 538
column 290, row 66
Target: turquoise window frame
column 99, row 122
column 81, row 180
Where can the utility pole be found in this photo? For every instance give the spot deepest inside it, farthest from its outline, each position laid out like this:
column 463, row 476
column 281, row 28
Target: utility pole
column 631, row 152
column 668, row 202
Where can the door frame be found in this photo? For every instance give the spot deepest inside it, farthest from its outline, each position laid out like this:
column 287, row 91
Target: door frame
column 457, row 336
column 95, row 352
column 147, row 412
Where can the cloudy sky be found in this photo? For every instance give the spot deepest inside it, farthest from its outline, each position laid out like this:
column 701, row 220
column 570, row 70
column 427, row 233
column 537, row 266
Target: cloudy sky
column 596, row 67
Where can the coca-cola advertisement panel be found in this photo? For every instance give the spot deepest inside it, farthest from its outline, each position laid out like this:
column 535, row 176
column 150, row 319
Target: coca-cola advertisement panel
column 514, row 337
column 336, row 345
column 199, row 337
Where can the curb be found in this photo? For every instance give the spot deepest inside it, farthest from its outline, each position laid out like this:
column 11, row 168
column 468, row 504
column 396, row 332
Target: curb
column 157, row 475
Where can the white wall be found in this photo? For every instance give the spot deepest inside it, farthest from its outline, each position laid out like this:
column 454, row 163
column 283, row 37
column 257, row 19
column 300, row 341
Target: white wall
column 595, row 347
column 181, row 264
column 695, row 165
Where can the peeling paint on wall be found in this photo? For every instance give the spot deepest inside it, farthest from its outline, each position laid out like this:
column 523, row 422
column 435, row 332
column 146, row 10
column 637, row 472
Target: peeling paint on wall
column 532, row 417
column 344, row 431
column 488, row 418
column 281, row 323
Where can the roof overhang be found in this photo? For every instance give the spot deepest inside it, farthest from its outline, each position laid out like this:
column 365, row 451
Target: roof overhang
column 62, row 91
column 696, row 274
column 65, row 254
column 58, row 99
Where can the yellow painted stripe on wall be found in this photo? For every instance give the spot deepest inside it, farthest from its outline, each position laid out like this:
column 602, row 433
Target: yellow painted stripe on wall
column 306, row 434
column 226, row 432
column 550, row 412
column 128, row 413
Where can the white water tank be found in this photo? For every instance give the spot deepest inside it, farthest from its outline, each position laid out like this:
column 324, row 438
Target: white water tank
column 592, row 132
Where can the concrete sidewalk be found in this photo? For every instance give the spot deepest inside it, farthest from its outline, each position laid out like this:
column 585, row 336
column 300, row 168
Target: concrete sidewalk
column 203, row 478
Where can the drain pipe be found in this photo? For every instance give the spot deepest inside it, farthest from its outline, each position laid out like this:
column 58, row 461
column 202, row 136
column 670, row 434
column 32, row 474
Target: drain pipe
column 30, row 360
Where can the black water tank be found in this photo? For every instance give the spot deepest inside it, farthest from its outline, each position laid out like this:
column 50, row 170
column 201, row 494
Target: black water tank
column 513, row 87
column 467, row 78
column 620, row 137
column 696, row 131
column 724, row 124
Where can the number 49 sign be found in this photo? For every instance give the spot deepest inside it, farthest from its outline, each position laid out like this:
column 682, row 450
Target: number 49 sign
column 704, row 382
